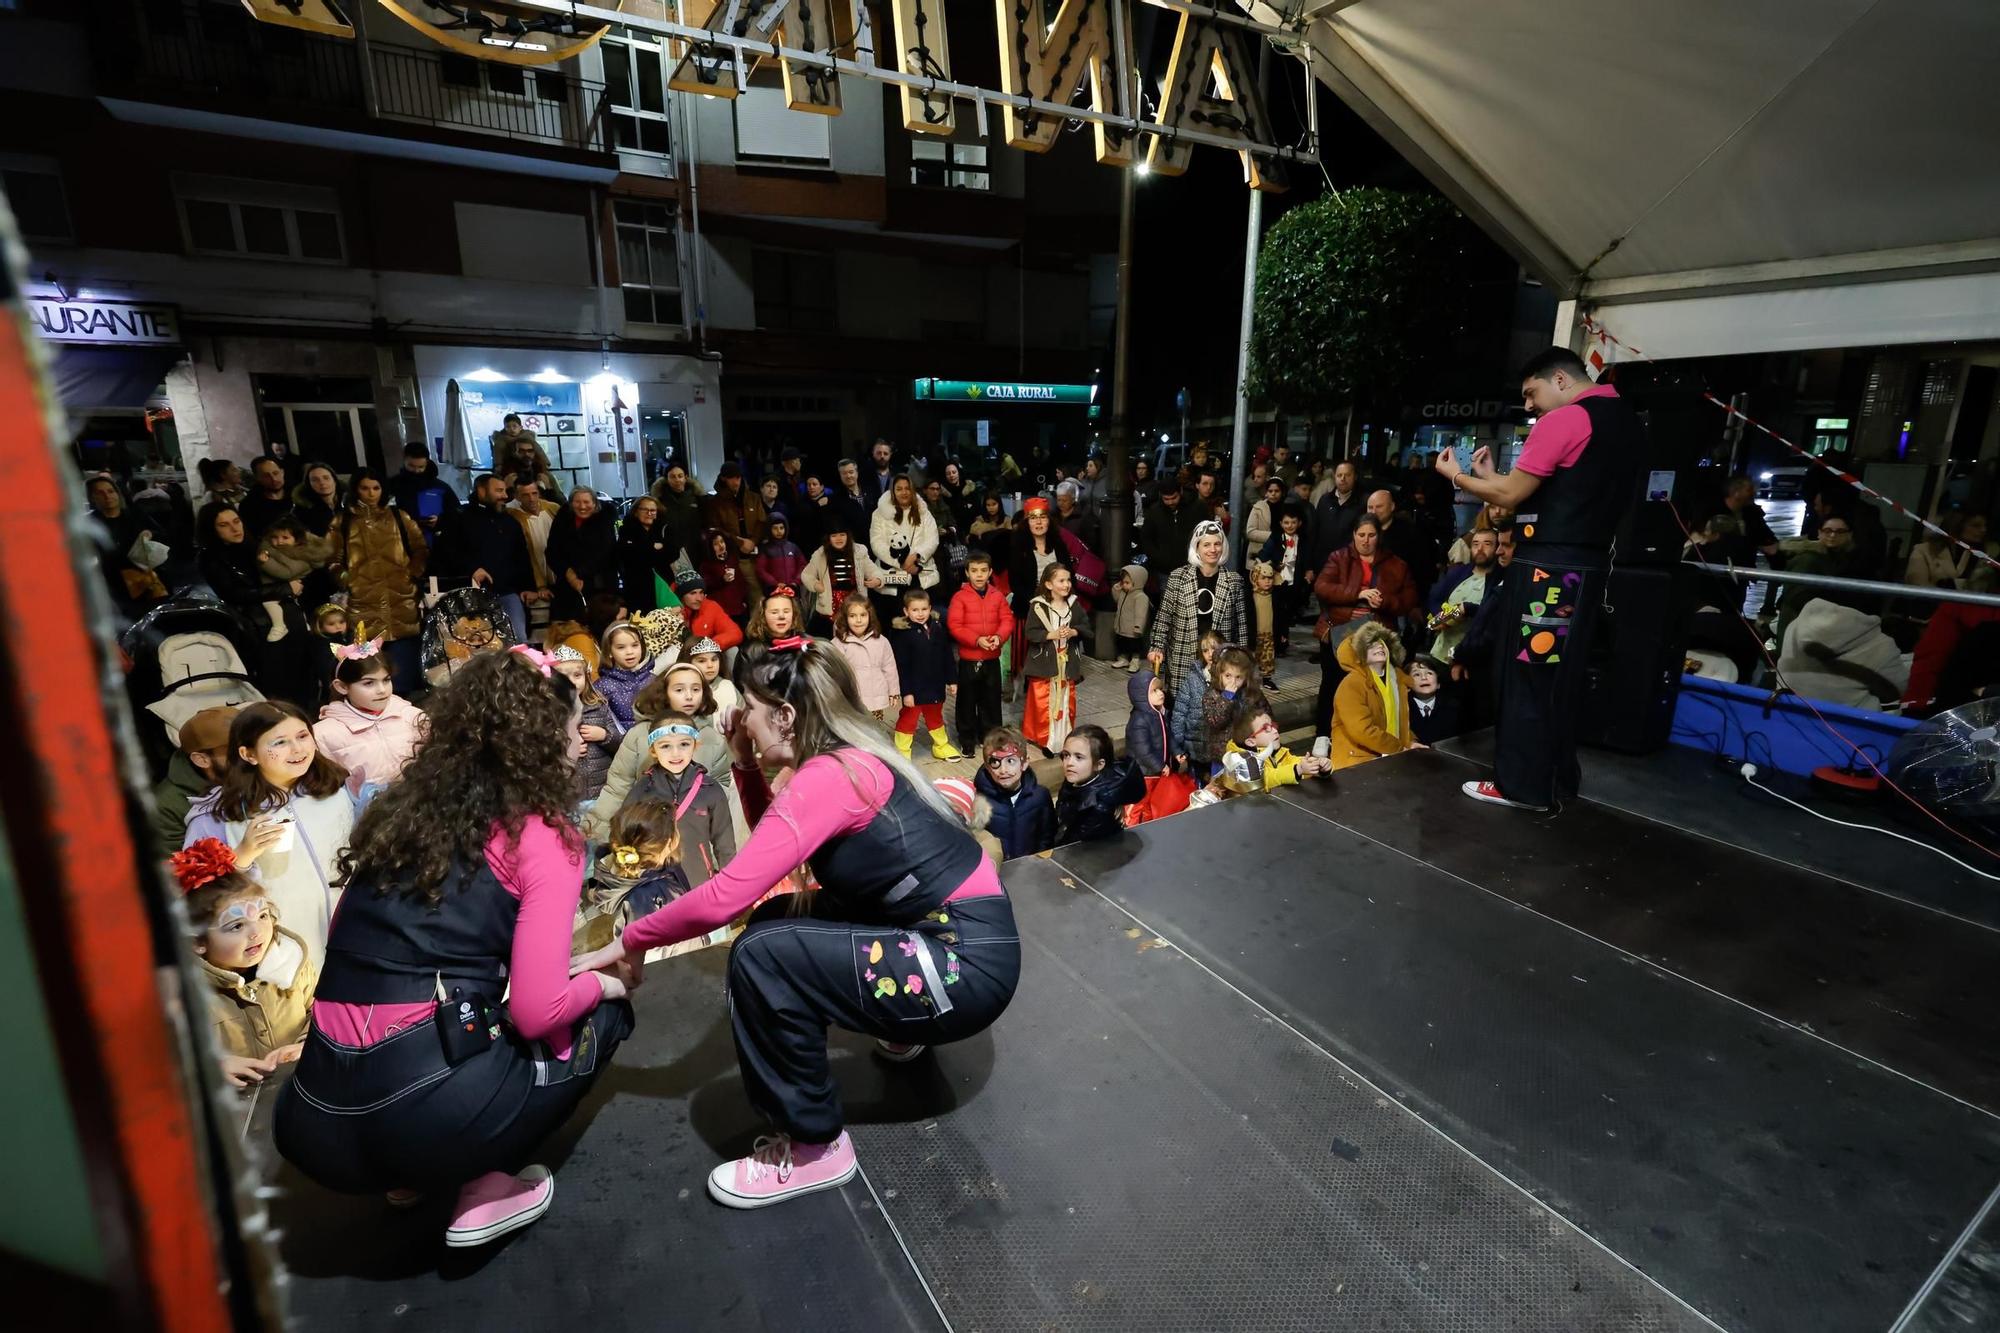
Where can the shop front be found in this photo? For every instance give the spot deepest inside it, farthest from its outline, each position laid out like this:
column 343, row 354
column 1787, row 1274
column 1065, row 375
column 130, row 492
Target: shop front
column 110, row 359
column 609, row 421
column 981, row 419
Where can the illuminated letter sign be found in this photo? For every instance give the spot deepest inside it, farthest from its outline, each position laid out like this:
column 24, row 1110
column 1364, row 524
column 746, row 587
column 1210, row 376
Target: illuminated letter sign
column 1211, row 85
column 806, row 25
column 1050, row 64
column 979, row 391
column 923, row 49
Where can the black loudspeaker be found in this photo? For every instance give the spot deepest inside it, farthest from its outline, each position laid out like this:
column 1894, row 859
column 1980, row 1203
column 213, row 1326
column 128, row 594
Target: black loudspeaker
column 1636, row 656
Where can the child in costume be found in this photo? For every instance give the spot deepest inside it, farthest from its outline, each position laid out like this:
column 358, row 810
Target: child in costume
column 925, row 673
column 1256, row 761
column 599, row 729
column 365, row 727
column 258, row 977
column 1022, row 815
column 624, row 672
column 1264, row 623
column 1053, row 666
column 699, row 804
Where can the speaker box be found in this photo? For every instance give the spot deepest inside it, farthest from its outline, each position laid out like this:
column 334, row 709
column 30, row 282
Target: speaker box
column 1636, row 655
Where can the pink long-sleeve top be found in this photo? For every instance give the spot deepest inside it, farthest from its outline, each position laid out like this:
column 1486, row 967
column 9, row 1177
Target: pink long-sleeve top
column 544, row 1001
column 821, row 801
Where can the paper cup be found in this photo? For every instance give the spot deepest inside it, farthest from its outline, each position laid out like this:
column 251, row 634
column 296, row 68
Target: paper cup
column 287, row 831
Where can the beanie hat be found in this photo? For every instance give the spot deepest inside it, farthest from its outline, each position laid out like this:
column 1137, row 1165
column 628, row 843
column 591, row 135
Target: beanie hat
column 958, row 793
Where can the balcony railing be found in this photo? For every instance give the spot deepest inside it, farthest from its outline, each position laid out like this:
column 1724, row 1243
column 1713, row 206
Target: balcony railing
column 219, row 57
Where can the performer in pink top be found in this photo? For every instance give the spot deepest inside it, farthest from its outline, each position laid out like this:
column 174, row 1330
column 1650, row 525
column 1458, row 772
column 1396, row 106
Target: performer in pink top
column 462, row 885
column 909, row 938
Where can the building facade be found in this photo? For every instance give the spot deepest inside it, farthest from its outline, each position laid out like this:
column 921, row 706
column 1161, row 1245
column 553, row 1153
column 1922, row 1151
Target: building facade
column 322, row 236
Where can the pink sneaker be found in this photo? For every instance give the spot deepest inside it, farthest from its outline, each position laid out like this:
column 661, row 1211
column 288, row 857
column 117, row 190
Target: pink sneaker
column 497, row 1203
column 778, row 1169
column 1487, row 792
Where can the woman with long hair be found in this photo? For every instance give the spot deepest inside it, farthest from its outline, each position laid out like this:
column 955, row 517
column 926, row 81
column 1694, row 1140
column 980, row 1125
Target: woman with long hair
column 910, row 939
column 903, row 537
column 284, row 808
column 379, row 554
column 316, row 500
column 462, row 882
column 133, row 587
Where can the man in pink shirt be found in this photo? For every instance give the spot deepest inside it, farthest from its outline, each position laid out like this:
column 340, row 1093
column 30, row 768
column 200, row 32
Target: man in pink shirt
column 1573, row 484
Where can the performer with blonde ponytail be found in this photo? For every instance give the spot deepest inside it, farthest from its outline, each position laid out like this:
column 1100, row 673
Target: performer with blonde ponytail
column 909, row 939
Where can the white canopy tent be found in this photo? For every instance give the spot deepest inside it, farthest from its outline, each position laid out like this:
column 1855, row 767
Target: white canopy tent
column 1713, row 176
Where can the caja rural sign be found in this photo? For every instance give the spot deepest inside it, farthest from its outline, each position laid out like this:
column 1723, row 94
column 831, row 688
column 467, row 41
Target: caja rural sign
column 976, row 391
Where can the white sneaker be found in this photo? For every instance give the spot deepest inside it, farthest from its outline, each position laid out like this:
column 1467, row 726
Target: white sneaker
column 897, row 1051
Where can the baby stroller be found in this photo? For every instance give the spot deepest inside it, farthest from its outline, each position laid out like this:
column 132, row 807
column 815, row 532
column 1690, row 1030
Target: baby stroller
column 458, row 624
column 187, row 654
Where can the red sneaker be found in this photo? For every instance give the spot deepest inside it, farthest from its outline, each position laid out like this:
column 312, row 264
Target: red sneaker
column 1487, row 792
column 778, row 1169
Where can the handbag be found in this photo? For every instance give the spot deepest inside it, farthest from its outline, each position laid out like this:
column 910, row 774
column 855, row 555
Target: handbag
column 1166, row 794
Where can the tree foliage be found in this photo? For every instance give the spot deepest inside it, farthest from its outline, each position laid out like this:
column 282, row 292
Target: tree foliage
column 1351, row 292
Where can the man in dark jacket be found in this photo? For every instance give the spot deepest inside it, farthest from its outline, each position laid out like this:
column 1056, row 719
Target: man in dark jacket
column 1168, row 529
column 269, row 500
column 850, row 505
column 419, row 492
column 481, row 545
column 1402, row 538
column 1335, row 515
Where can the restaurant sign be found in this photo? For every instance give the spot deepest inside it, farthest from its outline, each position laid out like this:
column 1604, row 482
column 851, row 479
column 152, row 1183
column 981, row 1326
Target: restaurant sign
column 125, row 323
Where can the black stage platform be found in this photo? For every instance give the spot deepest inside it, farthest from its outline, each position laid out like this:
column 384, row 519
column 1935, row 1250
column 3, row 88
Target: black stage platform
column 1366, row 1056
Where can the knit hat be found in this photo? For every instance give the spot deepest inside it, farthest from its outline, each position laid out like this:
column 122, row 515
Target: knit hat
column 958, row 793
column 688, row 581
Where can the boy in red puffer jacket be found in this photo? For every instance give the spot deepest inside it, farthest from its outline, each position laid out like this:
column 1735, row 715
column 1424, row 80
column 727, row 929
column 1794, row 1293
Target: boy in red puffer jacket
column 980, row 622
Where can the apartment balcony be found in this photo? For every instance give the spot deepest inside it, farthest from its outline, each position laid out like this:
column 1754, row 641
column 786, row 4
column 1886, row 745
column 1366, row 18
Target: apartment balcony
column 202, row 66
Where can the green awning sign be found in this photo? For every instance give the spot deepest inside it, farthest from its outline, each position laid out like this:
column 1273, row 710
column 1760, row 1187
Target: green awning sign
column 974, row 391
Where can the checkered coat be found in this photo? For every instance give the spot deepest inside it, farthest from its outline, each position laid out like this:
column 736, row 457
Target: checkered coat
column 1176, row 630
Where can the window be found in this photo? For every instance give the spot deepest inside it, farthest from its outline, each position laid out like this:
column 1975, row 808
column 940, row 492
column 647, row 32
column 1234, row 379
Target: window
column 260, row 219
column 649, row 270
column 34, row 190
column 955, row 166
column 767, row 131
column 794, row 290
column 635, row 79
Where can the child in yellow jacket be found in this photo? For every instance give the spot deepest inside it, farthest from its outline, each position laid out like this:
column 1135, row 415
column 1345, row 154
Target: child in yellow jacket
column 1255, row 761
column 260, row 977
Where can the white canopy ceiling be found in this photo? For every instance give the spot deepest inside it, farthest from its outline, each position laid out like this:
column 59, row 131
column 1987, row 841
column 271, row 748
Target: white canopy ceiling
column 1632, row 153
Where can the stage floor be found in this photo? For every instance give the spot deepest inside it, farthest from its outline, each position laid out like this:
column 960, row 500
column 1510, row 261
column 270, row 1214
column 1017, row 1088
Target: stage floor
column 1365, row 1056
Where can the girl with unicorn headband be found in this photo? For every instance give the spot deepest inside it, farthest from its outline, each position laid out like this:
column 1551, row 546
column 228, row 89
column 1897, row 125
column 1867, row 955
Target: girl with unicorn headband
column 365, row 727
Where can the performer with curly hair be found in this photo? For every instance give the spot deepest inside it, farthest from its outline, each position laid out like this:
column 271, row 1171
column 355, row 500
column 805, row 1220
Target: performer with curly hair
column 910, row 938
column 462, row 882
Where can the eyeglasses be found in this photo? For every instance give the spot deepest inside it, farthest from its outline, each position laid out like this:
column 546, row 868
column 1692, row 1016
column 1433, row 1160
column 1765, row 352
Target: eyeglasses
column 1830, row 531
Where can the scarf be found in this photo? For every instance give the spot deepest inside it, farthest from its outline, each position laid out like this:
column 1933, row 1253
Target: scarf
column 1385, row 684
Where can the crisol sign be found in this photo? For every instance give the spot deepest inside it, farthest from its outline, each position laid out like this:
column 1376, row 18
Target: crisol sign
column 125, row 323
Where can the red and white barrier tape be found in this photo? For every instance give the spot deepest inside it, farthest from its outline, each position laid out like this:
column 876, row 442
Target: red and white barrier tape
column 1597, row 331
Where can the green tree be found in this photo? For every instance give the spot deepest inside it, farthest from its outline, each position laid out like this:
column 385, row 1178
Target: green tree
column 1353, row 291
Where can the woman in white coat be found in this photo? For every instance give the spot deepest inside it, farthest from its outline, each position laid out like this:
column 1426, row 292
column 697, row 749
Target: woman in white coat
column 904, row 539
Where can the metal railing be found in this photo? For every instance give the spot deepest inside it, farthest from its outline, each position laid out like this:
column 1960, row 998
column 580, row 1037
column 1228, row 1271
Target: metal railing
column 220, row 57
column 1913, row 591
